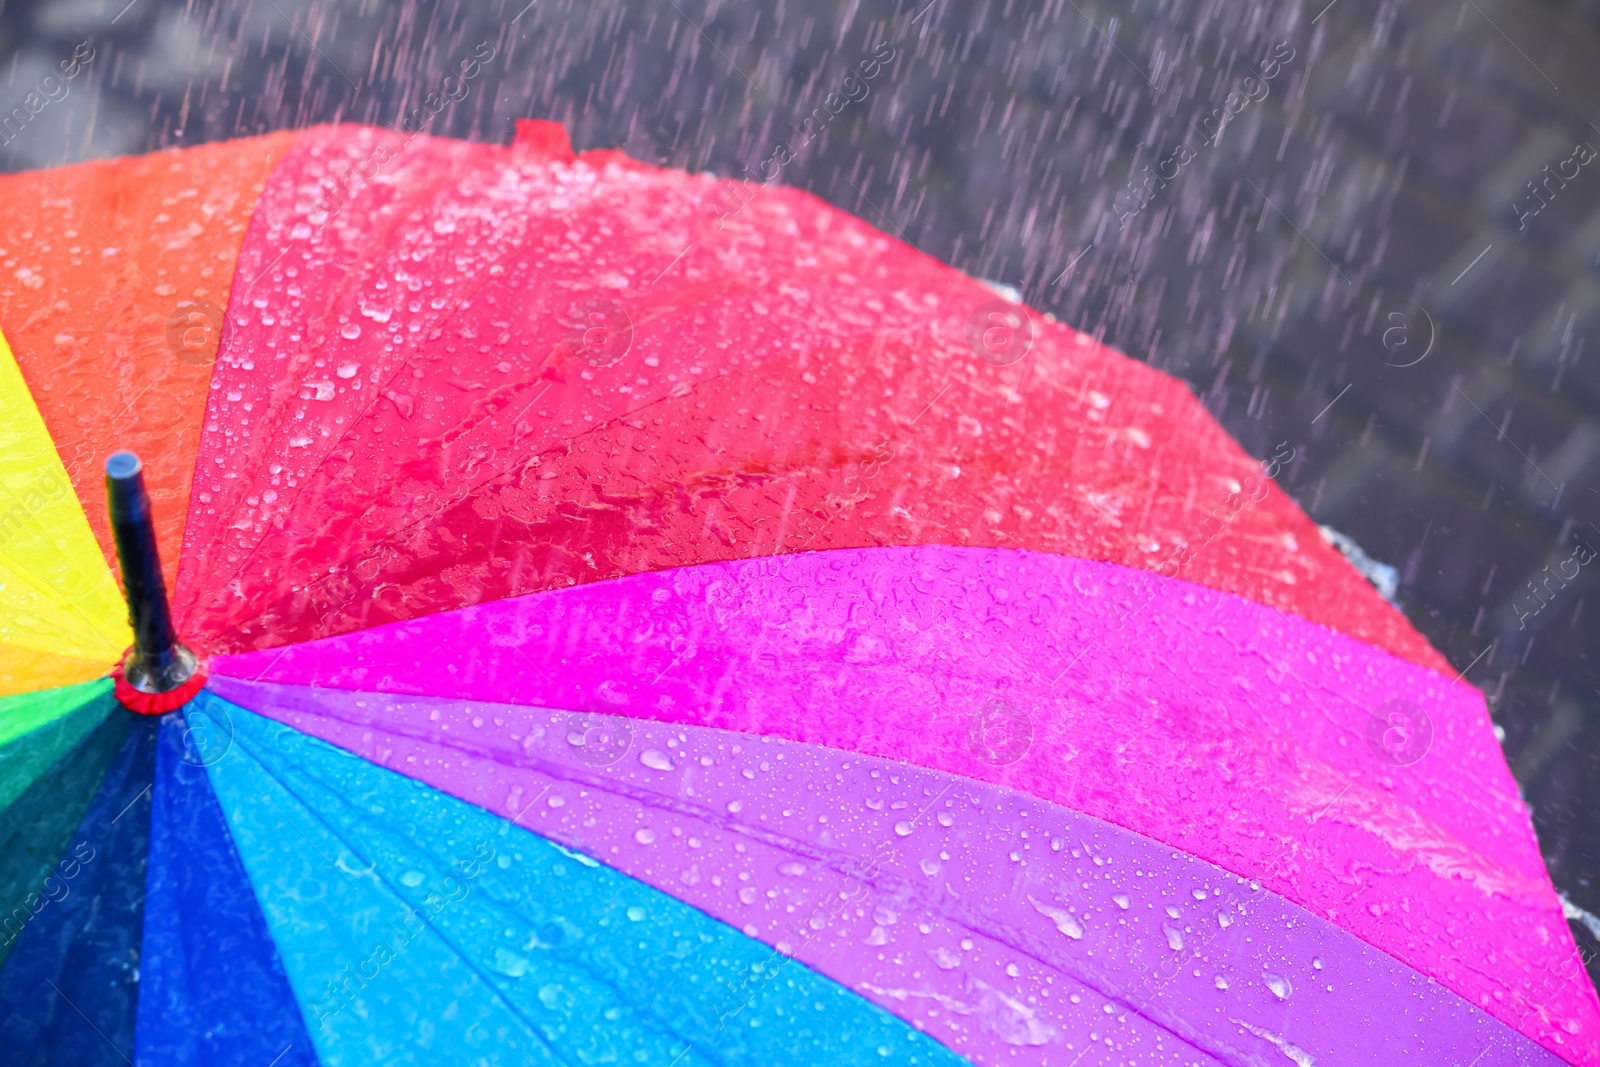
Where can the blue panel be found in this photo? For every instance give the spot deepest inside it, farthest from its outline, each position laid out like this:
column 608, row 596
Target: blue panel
column 419, row 929
column 69, row 990
column 212, row 991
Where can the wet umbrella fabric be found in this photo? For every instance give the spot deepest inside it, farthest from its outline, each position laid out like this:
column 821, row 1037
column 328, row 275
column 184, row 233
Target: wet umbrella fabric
column 640, row 634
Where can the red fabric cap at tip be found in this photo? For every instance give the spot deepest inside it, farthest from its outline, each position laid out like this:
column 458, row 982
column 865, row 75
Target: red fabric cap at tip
column 543, row 139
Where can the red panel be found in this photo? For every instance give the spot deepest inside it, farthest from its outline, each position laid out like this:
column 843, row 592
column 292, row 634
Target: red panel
column 408, row 420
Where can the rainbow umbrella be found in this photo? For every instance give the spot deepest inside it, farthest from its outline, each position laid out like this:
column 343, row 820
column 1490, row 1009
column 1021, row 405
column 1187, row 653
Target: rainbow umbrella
column 639, row 619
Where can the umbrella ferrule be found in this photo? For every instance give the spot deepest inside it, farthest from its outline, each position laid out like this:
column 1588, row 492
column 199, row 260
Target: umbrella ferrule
column 158, row 662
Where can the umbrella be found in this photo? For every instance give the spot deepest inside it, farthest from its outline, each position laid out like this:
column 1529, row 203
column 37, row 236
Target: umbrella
column 627, row 630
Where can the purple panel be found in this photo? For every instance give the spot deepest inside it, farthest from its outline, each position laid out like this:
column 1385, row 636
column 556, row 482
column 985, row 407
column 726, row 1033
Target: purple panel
column 1207, row 722
column 1013, row 930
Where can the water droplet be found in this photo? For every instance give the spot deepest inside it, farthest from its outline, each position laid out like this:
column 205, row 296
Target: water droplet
column 1317, row 963
column 655, row 760
column 1278, row 984
column 1220, row 981
column 1122, row 900
column 645, row 836
column 1174, row 937
column 635, row 914
column 509, row 963
column 792, row 869
column 347, row 369
column 902, row 828
column 350, row 331
column 1065, row 921
column 411, row 879
column 1224, row 919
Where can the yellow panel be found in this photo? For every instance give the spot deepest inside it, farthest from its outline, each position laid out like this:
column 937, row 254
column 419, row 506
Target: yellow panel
column 22, row 670
column 56, row 595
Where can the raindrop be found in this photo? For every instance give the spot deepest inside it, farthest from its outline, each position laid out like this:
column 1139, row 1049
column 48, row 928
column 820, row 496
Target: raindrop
column 645, row 836
column 350, row 331
column 1122, row 900
column 1278, row 984
column 902, row 828
column 509, row 963
column 1174, row 937
column 1065, row 921
column 655, row 760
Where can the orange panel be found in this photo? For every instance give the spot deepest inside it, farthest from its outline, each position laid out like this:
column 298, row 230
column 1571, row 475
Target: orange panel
column 112, row 277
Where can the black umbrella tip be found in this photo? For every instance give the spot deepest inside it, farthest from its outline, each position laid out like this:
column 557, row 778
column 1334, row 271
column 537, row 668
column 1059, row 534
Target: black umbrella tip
column 158, row 663
column 122, row 465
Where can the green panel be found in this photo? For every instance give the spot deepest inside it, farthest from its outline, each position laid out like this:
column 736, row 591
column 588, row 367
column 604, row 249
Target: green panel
column 26, row 711
column 36, row 827
column 37, row 728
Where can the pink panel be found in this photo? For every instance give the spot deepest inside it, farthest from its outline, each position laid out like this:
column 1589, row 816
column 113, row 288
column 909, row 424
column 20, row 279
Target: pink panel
column 1228, row 730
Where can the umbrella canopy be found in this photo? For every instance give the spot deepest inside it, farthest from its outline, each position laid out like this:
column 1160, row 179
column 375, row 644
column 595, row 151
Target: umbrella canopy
column 654, row 620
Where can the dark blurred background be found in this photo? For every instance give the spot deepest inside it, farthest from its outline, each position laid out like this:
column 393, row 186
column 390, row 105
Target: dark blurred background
column 1358, row 265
